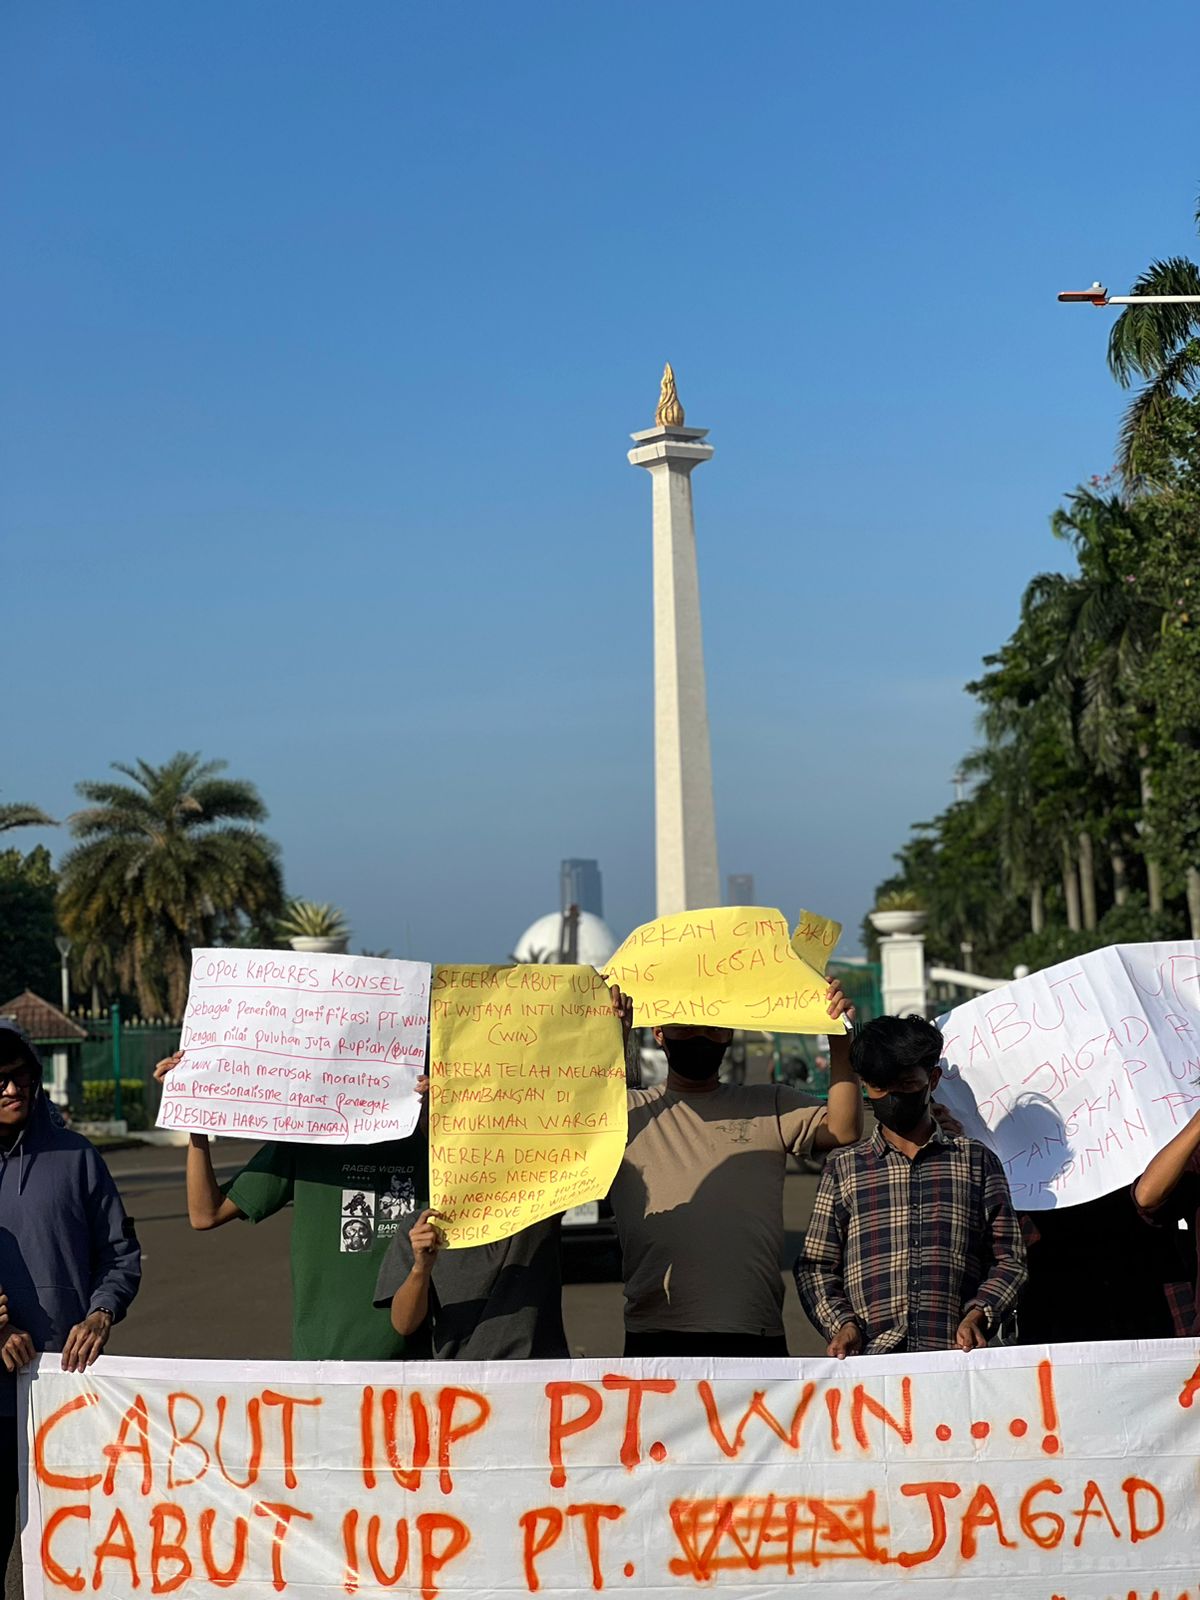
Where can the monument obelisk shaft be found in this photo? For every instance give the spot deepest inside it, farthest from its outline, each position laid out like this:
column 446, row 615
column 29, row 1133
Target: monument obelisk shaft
column 685, row 824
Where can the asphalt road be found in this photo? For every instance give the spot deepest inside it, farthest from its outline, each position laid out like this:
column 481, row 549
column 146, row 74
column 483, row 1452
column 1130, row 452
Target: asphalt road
column 227, row 1294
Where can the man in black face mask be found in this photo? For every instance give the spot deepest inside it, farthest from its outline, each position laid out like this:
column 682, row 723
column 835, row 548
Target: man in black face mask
column 913, row 1242
column 699, row 1195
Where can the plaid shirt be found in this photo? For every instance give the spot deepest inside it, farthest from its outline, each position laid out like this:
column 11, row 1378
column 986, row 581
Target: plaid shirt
column 906, row 1248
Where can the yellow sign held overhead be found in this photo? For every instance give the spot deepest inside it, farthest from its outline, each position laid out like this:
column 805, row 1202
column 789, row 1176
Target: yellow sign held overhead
column 729, row 967
column 814, row 940
column 526, row 1096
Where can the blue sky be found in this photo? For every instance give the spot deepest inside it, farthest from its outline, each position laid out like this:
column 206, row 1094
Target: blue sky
column 325, row 328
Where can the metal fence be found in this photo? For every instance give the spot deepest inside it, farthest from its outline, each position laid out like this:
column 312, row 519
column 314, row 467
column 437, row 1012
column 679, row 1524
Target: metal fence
column 114, row 1079
column 797, row 1058
column 862, row 982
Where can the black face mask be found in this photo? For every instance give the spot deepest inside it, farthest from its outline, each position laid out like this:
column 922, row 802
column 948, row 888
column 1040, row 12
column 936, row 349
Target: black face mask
column 902, row 1112
column 696, row 1058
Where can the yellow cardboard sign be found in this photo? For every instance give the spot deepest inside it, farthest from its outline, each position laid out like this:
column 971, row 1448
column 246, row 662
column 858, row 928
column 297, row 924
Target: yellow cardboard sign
column 814, row 939
column 731, row 967
column 526, row 1096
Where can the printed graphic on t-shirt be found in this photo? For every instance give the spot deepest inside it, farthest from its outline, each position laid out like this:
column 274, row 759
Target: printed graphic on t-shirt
column 373, row 1201
column 358, row 1221
column 399, row 1196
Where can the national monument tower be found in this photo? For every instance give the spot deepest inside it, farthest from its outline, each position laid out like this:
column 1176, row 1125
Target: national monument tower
column 685, row 824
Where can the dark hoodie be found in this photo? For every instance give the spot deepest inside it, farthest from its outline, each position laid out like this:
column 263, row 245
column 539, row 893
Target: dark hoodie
column 66, row 1245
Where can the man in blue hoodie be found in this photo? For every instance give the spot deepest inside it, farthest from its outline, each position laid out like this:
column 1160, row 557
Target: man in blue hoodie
column 69, row 1261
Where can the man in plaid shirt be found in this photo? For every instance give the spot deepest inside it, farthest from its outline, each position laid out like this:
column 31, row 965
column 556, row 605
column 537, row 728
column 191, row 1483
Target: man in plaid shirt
column 913, row 1242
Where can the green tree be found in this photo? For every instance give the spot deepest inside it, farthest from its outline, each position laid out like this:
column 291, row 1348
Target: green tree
column 1034, row 763
column 28, row 958
column 1079, row 768
column 1160, row 344
column 16, row 814
column 1087, row 793
column 1170, row 571
column 168, row 861
column 1107, row 622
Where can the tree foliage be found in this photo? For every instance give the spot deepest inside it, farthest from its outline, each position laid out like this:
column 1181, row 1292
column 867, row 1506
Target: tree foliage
column 19, row 814
column 1161, row 344
column 169, row 860
column 1083, row 825
column 28, row 958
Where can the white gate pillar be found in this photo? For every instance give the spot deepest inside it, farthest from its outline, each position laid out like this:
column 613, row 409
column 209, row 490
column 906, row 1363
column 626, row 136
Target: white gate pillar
column 902, row 956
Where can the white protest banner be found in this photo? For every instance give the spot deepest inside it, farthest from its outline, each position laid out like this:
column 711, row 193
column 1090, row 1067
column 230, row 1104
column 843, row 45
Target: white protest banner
column 1002, row 1472
column 1078, row 1075
column 279, row 1045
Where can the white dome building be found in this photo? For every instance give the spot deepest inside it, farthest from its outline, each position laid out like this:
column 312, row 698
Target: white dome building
column 543, row 940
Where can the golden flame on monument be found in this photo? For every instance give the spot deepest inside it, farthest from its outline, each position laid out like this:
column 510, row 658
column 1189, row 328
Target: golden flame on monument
column 670, row 412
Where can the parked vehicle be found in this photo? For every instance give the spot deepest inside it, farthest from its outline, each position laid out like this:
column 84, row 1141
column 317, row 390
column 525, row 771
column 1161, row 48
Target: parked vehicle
column 590, row 1224
column 803, row 1061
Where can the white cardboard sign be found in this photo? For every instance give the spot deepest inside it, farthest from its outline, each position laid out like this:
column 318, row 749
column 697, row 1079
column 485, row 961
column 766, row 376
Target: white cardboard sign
column 1078, row 1075
column 279, row 1045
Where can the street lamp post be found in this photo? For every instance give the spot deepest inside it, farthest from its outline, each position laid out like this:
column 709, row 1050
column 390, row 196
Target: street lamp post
column 64, row 950
column 115, row 1013
column 1098, row 295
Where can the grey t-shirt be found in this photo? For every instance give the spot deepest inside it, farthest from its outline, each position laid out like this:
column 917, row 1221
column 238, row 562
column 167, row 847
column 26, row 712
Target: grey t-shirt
column 487, row 1302
column 698, row 1200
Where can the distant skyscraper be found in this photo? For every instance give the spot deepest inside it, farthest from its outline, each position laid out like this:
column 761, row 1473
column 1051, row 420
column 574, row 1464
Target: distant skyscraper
column 581, row 886
column 739, row 889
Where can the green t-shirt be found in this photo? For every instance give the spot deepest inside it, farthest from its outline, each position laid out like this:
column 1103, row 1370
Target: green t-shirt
column 347, row 1203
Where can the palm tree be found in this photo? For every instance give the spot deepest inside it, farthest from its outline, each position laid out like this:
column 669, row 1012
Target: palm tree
column 18, row 815
column 1160, row 344
column 168, row 861
column 1109, row 628
column 1031, row 759
column 1004, row 770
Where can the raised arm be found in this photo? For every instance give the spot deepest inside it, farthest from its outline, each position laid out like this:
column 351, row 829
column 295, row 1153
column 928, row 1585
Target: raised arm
column 410, row 1303
column 1162, row 1177
column 844, row 1124
column 622, row 1005
column 207, row 1206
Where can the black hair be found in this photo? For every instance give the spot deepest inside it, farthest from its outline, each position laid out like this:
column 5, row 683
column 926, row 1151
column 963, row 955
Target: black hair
column 889, row 1048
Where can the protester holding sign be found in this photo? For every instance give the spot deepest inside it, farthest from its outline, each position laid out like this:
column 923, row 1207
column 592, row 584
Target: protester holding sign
column 699, row 1195
column 69, row 1260
column 1075, row 1076
column 1167, row 1194
column 913, row 1242
column 347, row 1204
column 486, row 1302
